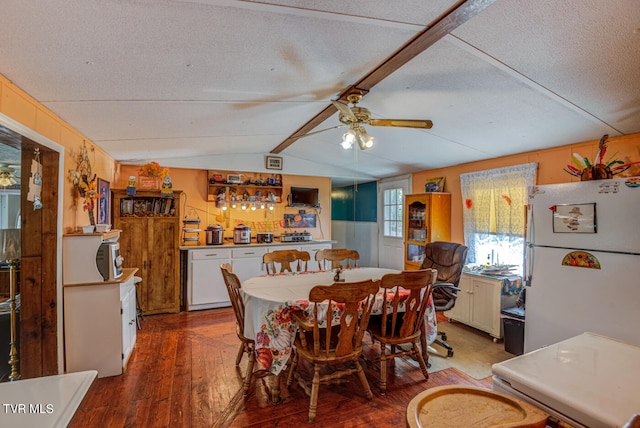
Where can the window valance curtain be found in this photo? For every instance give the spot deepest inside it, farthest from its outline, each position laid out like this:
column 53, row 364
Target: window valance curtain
column 493, row 204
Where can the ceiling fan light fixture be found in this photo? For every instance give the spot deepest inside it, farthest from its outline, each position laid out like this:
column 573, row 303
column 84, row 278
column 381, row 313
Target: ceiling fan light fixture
column 6, row 179
column 348, row 138
column 365, row 141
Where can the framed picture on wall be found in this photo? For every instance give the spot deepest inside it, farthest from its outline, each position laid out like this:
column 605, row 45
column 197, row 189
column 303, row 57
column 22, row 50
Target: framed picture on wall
column 435, row 184
column 574, row 218
column 104, row 200
column 273, row 162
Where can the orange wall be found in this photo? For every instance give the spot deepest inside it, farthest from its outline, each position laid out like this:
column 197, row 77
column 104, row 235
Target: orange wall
column 194, row 184
column 21, row 107
column 550, row 165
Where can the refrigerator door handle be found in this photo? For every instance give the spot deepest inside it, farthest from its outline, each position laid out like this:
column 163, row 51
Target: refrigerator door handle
column 528, row 247
column 528, row 263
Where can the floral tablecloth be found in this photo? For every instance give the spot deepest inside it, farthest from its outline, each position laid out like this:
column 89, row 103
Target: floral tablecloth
column 270, row 300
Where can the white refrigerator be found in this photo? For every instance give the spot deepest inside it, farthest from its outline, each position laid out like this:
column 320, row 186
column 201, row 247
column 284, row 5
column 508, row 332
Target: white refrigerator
column 582, row 261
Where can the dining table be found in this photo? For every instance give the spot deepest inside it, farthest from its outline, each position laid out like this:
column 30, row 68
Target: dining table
column 270, row 299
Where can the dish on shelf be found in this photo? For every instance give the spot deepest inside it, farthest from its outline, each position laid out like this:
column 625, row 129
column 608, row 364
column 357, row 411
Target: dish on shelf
column 191, row 230
column 88, row 229
column 191, row 239
column 103, row 227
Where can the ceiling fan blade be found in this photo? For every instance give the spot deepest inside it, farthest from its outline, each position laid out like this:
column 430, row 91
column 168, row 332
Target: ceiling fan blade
column 344, row 109
column 402, row 123
column 316, row 132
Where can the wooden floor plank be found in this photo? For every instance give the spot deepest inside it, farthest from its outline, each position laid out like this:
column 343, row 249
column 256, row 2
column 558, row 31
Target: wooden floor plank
column 182, row 374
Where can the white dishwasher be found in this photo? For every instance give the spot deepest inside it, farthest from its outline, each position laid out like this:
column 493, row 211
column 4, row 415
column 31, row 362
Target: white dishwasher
column 205, row 285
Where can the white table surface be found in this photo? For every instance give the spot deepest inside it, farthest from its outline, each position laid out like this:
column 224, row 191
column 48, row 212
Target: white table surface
column 49, row 401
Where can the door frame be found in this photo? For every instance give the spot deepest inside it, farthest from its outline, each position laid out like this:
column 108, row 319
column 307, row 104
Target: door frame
column 391, row 250
column 37, row 327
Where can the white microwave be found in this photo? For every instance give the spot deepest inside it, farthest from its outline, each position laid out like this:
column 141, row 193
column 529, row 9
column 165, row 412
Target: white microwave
column 109, row 261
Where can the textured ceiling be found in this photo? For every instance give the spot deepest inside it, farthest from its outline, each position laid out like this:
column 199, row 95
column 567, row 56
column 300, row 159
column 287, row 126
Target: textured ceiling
column 218, row 83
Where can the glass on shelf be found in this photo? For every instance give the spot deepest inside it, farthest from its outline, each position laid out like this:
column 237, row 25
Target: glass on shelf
column 419, row 235
column 415, row 253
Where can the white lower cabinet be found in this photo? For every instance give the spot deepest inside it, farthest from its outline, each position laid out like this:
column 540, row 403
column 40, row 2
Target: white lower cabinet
column 247, row 262
column 205, row 285
column 479, row 303
column 100, row 325
column 129, row 326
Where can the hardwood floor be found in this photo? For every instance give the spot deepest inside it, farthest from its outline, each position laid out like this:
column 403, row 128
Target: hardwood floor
column 182, row 374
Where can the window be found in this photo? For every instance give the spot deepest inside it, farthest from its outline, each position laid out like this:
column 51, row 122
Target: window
column 392, row 212
column 493, row 213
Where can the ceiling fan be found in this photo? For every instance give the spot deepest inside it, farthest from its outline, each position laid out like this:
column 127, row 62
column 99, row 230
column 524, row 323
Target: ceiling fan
column 8, row 176
column 355, row 117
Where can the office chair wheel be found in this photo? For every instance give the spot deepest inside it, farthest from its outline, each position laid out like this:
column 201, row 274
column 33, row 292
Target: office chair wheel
column 443, row 336
column 450, row 353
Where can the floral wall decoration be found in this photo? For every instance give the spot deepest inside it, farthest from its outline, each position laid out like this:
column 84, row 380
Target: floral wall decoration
column 90, row 190
column 150, row 175
column 84, row 181
column 154, row 168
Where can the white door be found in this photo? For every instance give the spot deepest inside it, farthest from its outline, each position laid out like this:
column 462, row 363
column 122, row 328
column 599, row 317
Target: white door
column 391, row 194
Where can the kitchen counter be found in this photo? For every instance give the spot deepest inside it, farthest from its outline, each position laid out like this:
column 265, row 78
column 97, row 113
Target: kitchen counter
column 202, row 283
column 49, row 401
column 230, row 244
column 511, row 283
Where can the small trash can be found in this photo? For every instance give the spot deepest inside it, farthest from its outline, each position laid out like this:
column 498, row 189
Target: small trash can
column 513, row 327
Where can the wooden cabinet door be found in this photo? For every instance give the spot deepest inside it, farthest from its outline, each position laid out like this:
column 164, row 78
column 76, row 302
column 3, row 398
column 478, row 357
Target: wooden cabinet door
column 133, row 247
column 163, row 272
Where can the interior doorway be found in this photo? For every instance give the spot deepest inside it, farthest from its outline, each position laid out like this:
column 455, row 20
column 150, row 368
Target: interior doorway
column 391, row 194
column 36, row 229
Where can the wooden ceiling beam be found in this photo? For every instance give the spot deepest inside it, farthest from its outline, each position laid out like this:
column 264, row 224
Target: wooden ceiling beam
column 455, row 16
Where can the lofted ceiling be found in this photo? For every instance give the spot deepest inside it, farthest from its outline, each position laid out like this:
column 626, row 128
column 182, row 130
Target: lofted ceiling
column 220, row 84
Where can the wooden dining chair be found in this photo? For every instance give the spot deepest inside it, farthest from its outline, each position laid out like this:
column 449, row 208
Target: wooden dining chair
column 247, row 345
column 404, row 303
column 331, row 258
column 285, row 258
column 338, row 346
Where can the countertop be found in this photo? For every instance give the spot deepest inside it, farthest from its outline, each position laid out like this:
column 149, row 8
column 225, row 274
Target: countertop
column 589, row 378
column 255, row 244
column 127, row 273
column 49, row 401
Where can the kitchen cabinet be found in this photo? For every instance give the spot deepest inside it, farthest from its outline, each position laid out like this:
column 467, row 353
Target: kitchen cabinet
column 247, row 262
column 150, row 241
column 205, row 285
column 427, row 218
column 479, row 303
column 100, row 325
column 128, row 318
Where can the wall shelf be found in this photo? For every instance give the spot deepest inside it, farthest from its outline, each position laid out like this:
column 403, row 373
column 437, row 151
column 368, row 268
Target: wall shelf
column 249, row 187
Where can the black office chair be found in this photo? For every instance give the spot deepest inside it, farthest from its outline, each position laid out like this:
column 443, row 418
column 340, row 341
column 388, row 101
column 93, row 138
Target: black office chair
column 449, row 259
